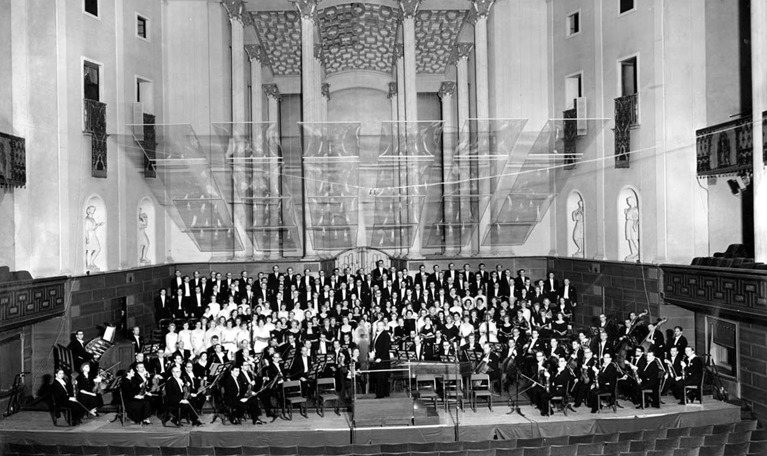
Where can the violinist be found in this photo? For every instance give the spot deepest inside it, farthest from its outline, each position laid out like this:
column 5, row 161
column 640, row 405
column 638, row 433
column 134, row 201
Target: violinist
column 533, row 346
column 65, row 398
column 340, row 368
column 605, row 379
column 197, row 386
column 648, row 377
column 558, row 383
column 541, row 375
column 556, row 351
column 586, row 377
column 236, row 397
column 628, row 382
column 88, row 389
column 177, row 404
column 134, row 388
column 301, row 369
column 150, row 386
column 673, row 368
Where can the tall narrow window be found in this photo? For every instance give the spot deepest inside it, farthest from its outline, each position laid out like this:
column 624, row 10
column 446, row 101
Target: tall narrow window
column 626, row 6
column 573, row 23
column 141, row 27
column 145, row 94
column 573, row 89
column 91, row 82
column 629, row 83
column 91, row 7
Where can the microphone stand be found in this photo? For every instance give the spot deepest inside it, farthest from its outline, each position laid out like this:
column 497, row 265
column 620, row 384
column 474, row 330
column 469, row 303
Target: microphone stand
column 515, row 404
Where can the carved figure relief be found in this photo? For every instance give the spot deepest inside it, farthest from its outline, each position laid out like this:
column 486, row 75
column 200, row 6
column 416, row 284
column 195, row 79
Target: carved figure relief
column 577, row 217
column 92, row 244
column 632, row 228
column 143, row 238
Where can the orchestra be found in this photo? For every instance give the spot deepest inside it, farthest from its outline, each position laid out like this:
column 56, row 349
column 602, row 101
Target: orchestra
column 276, row 327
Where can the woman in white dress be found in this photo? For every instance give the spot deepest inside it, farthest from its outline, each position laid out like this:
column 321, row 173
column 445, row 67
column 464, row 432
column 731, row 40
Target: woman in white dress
column 229, row 337
column 171, row 339
column 213, row 330
column 198, row 339
column 185, row 335
column 261, row 335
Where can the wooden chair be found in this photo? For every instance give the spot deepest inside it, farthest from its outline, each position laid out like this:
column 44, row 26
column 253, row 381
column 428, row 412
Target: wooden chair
column 697, row 390
column 326, row 391
column 57, row 411
column 612, row 398
column 452, row 390
column 426, row 387
column 479, row 385
column 561, row 400
column 292, row 395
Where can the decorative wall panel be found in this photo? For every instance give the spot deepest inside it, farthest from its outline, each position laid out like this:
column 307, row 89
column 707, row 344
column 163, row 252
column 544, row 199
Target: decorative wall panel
column 717, row 289
column 13, row 161
column 26, row 302
column 436, row 34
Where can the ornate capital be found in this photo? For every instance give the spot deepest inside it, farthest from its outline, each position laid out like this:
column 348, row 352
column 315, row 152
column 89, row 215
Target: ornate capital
column 461, row 51
column 482, row 7
column 306, row 8
column 325, row 90
column 399, row 51
column 272, row 91
column 447, row 89
column 392, row 90
column 409, row 7
column 255, row 52
column 235, row 9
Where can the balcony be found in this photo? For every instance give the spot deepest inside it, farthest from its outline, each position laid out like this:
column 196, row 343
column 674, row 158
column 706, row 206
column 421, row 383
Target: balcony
column 95, row 125
column 626, row 118
column 727, row 148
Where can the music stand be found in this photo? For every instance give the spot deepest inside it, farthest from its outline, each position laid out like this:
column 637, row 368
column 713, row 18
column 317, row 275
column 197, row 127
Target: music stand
column 448, row 359
column 317, row 367
column 409, row 346
column 217, row 371
column 116, row 385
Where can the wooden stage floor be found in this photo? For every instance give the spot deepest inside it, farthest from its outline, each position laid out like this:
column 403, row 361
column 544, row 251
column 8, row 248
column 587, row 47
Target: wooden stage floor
column 37, row 427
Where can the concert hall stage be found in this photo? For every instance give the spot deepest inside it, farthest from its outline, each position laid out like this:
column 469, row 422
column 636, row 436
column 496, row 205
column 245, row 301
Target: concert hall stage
column 37, row 428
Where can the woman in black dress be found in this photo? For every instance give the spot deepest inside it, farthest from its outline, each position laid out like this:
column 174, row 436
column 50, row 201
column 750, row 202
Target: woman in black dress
column 137, row 405
column 88, row 389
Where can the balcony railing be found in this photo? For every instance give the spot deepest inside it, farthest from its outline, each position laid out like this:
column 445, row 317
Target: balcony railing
column 95, row 124
column 727, row 148
column 629, row 104
column 95, row 116
column 13, row 161
column 626, row 117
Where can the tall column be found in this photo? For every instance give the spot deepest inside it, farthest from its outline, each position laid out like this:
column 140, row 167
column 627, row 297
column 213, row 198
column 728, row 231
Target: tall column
column 759, row 104
column 479, row 17
column 309, row 93
column 446, row 92
column 318, row 114
column 409, row 9
column 255, row 54
column 462, row 69
column 241, row 212
column 274, row 210
column 392, row 95
column 399, row 50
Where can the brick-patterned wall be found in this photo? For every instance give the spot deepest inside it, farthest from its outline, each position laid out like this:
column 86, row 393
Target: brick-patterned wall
column 619, row 287
column 753, row 366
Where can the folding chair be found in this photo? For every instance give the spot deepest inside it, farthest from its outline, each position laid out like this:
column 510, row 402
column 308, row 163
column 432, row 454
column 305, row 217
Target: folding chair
column 479, row 385
column 426, row 386
column 452, row 391
column 326, row 391
column 291, row 394
column 561, row 400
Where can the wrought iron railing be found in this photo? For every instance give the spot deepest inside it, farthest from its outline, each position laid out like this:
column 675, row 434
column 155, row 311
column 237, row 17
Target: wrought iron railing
column 727, row 148
column 626, row 117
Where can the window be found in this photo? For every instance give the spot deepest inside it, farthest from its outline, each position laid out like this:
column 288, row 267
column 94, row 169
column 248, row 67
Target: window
column 91, row 7
column 145, row 94
column 629, row 71
column 573, row 89
column 626, row 6
column 142, row 24
column 91, row 81
column 573, row 23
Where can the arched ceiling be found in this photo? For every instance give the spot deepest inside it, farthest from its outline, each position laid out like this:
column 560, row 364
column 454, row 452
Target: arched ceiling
column 356, row 36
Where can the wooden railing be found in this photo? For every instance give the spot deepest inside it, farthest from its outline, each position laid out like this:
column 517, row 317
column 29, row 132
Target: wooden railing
column 727, row 148
column 24, row 302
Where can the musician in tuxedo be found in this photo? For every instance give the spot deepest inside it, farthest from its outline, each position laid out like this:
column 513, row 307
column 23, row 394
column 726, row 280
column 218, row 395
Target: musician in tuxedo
column 65, row 398
column 692, row 373
column 176, row 404
column 603, row 345
column 179, row 305
column 550, row 287
column 79, row 354
column 340, row 368
column 678, row 341
column 423, row 351
column 197, row 303
column 535, row 345
column 656, row 339
column 648, row 376
column 273, row 378
column 520, row 280
column 301, row 370
column 606, row 376
column 568, row 292
column 450, row 275
column 161, row 307
column 379, row 272
column 177, row 282
column 273, row 281
column 489, row 364
column 197, row 382
column 673, row 368
column 137, row 340
column 539, row 373
column 421, row 278
column 236, row 397
column 134, row 388
column 559, row 382
column 586, row 376
column 381, row 360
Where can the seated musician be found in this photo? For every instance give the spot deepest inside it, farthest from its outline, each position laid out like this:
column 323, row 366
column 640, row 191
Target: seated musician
column 533, row 346
column 445, row 348
column 134, row 388
column 177, row 405
column 273, row 377
column 401, row 334
column 558, row 383
column 301, row 369
column 539, row 374
column 691, row 374
column 556, row 351
column 79, row 354
column 649, row 377
column 340, row 367
column 576, row 353
column 604, row 345
column 560, row 327
column 520, row 322
column 606, row 376
column 586, row 375
column 627, row 378
column 238, row 399
column 673, row 368
column 489, row 363
column 472, row 345
column 64, row 397
column 88, row 388
column 422, row 351
column 197, row 384
column 151, row 386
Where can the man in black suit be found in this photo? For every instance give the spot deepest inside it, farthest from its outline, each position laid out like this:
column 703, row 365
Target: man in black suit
column 176, row 406
column 421, row 278
column 178, row 305
column 65, row 398
column 658, row 341
column 451, row 273
column 177, row 282
column 550, row 287
column 381, row 346
column 693, row 374
column 607, row 375
column 197, row 303
column 568, row 292
column 648, row 377
column 519, row 281
column 273, row 281
column 79, row 354
column 137, row 340
column 161, row 307
column 678, row 341
column 234, row 396
column 300, row 370
column 378, row 273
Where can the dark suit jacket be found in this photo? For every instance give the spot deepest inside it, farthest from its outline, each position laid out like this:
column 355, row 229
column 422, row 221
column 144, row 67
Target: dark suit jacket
column 233, row 389
column 161, row 311
column 173, row 392
column 298, row 369
column 572, row 294
column 137, row 346
column 382, row 344
column 79, row 355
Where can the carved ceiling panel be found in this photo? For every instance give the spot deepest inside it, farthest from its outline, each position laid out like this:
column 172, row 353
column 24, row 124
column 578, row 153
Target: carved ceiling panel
column 358, row 36
column 436, row 34
column 280, row 32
